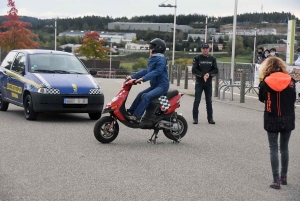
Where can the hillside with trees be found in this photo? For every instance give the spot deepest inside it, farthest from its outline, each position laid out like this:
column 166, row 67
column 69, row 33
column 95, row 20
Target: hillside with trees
column 44, row 28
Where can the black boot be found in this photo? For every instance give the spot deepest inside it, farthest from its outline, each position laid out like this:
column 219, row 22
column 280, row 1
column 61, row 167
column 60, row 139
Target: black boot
column 211, row 121
column 283, row 179
column 195, row 116
column 275, row 184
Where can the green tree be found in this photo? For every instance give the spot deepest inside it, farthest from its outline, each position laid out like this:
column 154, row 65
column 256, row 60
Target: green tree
column 141, row 63
column 68, row 49
column 191, row 40
column 239, row 46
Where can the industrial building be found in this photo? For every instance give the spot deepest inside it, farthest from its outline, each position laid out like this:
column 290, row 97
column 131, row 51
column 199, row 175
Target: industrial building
column 134, row 26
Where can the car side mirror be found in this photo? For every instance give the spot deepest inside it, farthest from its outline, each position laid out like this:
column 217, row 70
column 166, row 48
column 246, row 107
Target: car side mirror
column 93, row 72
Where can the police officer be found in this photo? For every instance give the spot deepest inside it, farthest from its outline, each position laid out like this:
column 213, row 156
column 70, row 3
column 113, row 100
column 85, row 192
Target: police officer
column 204, row 67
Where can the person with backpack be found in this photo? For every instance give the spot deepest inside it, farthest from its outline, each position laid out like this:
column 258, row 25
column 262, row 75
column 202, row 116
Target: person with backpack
column 204, row 68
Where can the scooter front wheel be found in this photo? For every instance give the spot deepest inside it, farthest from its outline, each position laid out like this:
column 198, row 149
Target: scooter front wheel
column 106, row 129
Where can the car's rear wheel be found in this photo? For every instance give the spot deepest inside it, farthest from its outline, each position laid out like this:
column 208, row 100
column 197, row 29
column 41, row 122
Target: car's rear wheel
column 3, row 104
column 95, row 116
column 30, row 114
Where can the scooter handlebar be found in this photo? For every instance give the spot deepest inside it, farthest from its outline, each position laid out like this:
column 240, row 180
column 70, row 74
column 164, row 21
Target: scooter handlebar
column 131, row 82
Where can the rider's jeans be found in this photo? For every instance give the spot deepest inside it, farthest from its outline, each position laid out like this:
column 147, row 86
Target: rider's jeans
column 284, row 150
column 199, row 88
column 140, row 104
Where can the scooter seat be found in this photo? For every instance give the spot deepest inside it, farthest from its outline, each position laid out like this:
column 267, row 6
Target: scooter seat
column 171, row 93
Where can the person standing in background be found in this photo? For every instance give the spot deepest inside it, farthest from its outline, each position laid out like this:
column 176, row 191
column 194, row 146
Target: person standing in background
column 204, row 67
column 297, row 62
column 259, row 56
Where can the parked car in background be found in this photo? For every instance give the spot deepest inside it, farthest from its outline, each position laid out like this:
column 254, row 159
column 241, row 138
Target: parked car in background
column 48, row 81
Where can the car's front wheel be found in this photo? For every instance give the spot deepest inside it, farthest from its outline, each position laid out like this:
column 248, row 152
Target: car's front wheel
column 95, row 116
column 3, row 104
column 30, row 114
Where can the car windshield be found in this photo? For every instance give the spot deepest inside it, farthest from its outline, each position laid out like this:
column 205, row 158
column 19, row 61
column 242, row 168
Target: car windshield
column 55, row 63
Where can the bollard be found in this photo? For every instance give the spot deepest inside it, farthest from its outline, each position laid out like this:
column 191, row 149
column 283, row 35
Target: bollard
column 178, row 75
column 169, row 71
column 186, row 77
column 216, row 85
column 243, row 85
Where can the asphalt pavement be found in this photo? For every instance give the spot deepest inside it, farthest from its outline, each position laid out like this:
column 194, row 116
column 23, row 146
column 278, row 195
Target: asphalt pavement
column 58, row 158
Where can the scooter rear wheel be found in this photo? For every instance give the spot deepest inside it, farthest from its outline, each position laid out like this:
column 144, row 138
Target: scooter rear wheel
column 104, row 132
column 180, row 133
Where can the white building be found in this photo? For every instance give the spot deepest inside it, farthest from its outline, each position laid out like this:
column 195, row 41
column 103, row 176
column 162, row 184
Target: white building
column 115, row 37
column 135, row 46
column 251, row 32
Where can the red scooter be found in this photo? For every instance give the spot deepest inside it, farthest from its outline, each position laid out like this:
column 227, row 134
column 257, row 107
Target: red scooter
column 156, row 117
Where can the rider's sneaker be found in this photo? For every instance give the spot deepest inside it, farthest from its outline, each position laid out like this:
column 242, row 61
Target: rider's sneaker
column 195, row 121
column 134, row 119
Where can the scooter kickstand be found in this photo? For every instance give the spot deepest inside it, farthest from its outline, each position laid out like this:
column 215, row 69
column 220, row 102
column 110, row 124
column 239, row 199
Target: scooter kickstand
column 153, row 138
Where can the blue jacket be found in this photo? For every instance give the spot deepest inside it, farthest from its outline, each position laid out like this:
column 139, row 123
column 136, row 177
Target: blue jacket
column 156, row 72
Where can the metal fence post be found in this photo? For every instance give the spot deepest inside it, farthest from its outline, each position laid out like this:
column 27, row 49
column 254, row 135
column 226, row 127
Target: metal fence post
column 216, row 85
column 186, row 77
column 172, row 75
column 243, row 85
column 169, row 71
column 178, row 75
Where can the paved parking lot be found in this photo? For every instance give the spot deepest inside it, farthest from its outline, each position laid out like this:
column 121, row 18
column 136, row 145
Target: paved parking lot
column 58, row 158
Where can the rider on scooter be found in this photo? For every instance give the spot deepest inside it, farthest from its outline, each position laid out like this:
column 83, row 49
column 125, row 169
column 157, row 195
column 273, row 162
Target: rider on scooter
column 157, row 73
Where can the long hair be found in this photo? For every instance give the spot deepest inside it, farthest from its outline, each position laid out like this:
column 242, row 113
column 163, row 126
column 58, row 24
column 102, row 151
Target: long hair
column 273, row 65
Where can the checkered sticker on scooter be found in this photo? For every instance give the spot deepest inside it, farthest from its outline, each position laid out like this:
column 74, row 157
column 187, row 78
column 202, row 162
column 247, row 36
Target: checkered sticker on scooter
column 164, row 102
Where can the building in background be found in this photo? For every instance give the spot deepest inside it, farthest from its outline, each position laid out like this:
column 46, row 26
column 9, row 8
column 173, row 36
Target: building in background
column 135, row 26
column 114, row 37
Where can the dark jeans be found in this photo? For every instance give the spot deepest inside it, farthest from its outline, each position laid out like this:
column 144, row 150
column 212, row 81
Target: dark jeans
column 199, row 88
column 140, row 104
column 284, row 150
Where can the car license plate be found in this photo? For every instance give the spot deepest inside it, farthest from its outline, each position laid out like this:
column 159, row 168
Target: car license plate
column 75, row 101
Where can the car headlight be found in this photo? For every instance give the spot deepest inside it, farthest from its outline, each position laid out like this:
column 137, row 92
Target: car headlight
column 96, row 91
column 48, row 91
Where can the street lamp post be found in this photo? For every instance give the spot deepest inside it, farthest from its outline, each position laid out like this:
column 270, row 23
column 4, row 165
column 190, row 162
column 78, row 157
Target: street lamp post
column 233, row 47
column 254, row 48
column 110, row 60
column 174, row 30
column 205, row 30
column 212, row 45
column 55, row 28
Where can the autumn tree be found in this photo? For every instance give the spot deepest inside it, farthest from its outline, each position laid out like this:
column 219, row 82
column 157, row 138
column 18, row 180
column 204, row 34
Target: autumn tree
column 16, row 36
column 92, row 47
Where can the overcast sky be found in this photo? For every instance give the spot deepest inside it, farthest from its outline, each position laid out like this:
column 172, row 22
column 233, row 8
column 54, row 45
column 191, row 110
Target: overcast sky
column 130, row 8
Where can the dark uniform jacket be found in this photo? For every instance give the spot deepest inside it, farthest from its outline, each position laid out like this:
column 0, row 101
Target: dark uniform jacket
column 202, row 65
column 278, row 92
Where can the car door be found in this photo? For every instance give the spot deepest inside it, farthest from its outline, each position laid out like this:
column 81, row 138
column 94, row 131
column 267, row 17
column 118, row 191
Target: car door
column 15, row 79
column 4, row 68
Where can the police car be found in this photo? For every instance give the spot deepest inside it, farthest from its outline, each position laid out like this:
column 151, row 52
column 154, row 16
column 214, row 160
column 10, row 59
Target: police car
column 48, row 81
